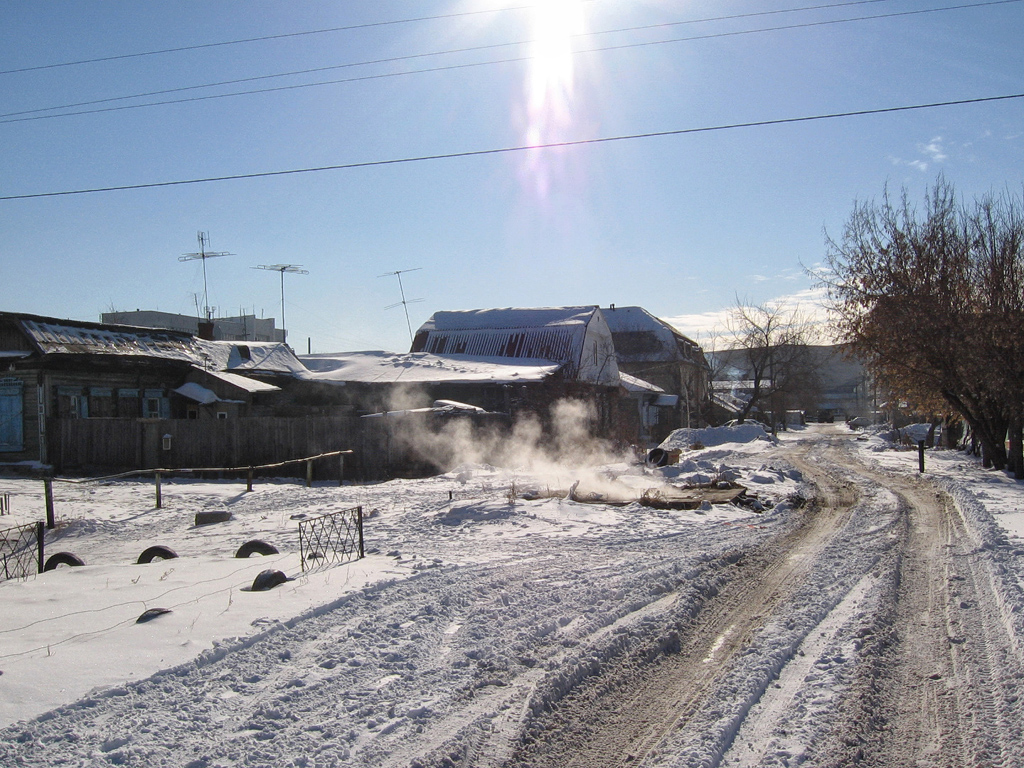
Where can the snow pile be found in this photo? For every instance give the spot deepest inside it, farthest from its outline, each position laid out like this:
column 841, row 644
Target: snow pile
column 688, row 439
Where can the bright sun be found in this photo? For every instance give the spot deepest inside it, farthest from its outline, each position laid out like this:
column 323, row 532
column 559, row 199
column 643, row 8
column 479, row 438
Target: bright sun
column 549, row 86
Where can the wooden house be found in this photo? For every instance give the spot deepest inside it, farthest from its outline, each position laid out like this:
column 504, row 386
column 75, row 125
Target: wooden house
column 654, row 351
column 61, row 370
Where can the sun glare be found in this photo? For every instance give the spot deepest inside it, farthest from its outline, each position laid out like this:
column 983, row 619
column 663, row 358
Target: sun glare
column 549, row 85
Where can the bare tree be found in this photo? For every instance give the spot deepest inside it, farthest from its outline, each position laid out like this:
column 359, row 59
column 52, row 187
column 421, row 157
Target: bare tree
column 933, row 301
column 768, row 343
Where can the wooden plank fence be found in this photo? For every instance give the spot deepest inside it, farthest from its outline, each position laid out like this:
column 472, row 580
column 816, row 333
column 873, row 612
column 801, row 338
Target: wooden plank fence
column 91, row 446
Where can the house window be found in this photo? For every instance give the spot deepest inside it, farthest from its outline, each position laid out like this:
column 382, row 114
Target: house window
column 222, row 414
column 72, row 403
column 11, row 409
column 129, row 404
column 101, row 402
column 155, row 405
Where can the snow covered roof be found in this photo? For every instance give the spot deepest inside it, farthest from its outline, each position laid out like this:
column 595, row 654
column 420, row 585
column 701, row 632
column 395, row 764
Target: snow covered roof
column 633, row 384
column 549, row 333
column 440, row 407
column 251, row 356
column 641, row 337
column 198, row 392
column 420, row 367
column 66, row 337
column 243, row 382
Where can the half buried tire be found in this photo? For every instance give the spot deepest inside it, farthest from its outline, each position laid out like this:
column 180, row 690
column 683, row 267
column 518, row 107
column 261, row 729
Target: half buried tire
column 62, row 558
column 256, row 547
column 159, row 552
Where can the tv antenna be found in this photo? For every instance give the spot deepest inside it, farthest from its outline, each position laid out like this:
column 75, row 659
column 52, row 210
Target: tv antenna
column 294, row 269
column 203, row 255
column 404, row 302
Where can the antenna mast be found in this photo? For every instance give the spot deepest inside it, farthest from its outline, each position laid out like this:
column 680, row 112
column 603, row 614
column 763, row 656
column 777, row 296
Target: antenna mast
column 403, row 302
column 295, row 269
column 203, row 255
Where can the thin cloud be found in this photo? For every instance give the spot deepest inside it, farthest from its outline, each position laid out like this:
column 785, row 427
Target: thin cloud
column 933, row 153
column 705, row 327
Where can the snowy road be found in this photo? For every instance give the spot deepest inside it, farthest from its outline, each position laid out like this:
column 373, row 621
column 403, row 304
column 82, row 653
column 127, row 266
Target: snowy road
column 875, row 624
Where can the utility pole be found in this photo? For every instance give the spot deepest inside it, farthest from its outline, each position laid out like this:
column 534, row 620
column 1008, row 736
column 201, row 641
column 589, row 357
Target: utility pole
column 295, row 269
column 404, row 303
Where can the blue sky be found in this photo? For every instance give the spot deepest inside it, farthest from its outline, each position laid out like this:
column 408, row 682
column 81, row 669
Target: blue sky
column 679, row 224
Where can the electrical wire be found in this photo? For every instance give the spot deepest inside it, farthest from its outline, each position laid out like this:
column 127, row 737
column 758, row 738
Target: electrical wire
column 409, row 57
column 519, row 148
column 370, row 25
column 264, row 38
column 32, row 114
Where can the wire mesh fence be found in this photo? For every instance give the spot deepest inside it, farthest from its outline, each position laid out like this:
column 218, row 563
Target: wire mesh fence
column 333, row 538
column 21, row 551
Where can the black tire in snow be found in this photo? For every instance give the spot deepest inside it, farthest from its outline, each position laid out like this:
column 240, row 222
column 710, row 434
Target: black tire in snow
column 158, row 552
column 268, row 579
column 62, row 558
column 256, row 547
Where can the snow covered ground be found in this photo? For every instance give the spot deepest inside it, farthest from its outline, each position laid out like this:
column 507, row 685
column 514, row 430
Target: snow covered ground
column 486, row 596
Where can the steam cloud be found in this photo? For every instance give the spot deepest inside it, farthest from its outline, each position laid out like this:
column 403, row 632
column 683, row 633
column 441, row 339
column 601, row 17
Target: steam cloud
column 557, row 453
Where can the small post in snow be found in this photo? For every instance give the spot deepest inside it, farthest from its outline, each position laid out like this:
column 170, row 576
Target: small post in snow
column 48, row 493
column 40, row 555
column 159, row 500
column 920, row 456
column 359, row 527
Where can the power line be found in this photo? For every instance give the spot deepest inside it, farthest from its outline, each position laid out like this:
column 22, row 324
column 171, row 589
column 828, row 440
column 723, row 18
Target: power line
column 264, row 38
column 520, row 148
column 394, row 22
column 395, row 59
column 30, row 114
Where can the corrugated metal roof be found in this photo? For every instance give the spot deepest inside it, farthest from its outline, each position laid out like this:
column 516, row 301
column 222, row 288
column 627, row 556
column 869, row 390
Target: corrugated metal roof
column 418, row 367
column 547, row 333
column 63, row 338
column 55, row 337
column 508, row 318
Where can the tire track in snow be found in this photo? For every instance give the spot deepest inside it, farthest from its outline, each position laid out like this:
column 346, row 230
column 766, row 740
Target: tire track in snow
column 377, row 680
column 620, row 719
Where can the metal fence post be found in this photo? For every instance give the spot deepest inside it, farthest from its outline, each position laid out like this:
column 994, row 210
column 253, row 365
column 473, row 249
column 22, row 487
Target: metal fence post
column 359, row 525
column 309, row 473
column 159, row 500
column 920, row 455
column 341, row 469
column 48, row 493
column 39, row 546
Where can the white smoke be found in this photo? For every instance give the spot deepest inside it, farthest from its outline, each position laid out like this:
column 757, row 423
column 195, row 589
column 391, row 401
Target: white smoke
column 555, row 451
